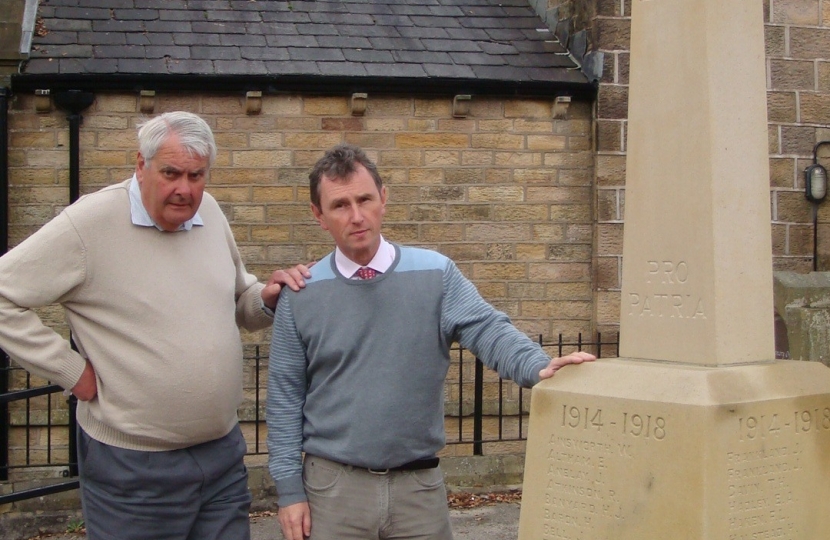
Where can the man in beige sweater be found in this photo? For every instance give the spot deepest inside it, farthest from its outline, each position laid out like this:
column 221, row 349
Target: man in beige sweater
column 154, row 290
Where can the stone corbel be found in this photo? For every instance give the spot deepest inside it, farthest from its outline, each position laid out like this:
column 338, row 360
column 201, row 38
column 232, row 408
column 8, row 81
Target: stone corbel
column 43, row 101
column 358, row 103
column 253, row 102
column 461, row 105
column 147, row 101
column 560, row 107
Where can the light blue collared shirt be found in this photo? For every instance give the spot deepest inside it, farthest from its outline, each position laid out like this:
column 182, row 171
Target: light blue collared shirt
column 141, row 217
column 381, row 262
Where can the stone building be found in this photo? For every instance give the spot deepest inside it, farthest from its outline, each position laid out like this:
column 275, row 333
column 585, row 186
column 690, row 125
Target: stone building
column 499, row 127
column 479, row 119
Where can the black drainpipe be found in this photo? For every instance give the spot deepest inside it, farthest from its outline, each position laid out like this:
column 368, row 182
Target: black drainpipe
column 4, row 246
column 74, row 102
column 4, row 170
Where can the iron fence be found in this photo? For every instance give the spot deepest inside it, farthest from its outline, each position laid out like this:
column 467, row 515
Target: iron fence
column 37, row 436
column 22, row 410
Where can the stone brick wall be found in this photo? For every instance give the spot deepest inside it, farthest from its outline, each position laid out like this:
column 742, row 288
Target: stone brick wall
column 798, row 84
column 506, row 192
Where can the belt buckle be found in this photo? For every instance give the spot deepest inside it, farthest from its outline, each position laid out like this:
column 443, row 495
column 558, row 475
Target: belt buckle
column 378, row 471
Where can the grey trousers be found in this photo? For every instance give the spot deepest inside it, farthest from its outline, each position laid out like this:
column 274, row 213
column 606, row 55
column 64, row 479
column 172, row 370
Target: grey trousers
column 348, row 503
column 196, row 493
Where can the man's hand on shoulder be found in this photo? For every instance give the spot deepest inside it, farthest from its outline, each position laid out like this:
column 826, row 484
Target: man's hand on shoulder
column 558, row 363
column 295, row 521
column 293, row 278
column 87, row 386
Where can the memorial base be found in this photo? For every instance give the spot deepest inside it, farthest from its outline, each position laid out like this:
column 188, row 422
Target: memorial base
column 622, row 449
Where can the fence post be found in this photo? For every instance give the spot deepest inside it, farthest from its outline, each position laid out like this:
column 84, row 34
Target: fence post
column 478, row 409
column 5, row 363
column 73, row 436
column 73, row 424
column 4, row 417
column 256, row 397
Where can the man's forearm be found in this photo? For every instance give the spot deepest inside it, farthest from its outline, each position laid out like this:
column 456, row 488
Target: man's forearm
column 43, row 269
column 37, row 348
column 250, row 314
column 284, row 407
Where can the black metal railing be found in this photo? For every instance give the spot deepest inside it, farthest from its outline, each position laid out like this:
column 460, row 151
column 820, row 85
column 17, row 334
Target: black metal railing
column 469, row 403
column 480, row 409
column 22, row 408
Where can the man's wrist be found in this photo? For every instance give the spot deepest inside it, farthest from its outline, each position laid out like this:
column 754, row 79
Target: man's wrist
column 290, row 490
column 268, row 311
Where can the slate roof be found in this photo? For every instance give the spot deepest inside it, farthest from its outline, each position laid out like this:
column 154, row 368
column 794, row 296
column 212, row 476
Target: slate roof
column 435, row 43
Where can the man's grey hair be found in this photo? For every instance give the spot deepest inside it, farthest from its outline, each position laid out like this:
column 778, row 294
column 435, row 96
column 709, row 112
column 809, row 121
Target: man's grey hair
column 193, row 132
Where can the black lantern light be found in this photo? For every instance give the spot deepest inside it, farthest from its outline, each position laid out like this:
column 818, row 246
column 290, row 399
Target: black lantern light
column 815, row 178
column 815, row 183
column 815, row 189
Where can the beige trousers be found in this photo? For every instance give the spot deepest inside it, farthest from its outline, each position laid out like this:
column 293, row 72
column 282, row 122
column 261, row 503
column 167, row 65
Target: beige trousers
column 348, row 503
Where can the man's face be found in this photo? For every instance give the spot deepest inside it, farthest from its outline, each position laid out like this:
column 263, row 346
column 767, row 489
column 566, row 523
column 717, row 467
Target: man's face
column 172, row 184
column 351, row 210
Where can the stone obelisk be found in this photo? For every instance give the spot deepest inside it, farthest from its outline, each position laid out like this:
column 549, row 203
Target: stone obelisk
column 695, row 432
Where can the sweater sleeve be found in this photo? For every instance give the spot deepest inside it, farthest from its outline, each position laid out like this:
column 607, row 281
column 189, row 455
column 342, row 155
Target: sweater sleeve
column 250, row 314
column 284, row 405
column 468, row 319
column 45, row 268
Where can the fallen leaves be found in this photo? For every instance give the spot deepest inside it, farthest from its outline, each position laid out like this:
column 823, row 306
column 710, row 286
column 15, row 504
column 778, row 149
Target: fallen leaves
column 458, row 500
column 473, row 500
column 40, row 27
column 262, row 513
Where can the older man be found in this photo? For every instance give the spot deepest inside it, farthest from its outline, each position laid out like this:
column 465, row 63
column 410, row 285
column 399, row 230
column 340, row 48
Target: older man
column 358, row 362
column 153, row 287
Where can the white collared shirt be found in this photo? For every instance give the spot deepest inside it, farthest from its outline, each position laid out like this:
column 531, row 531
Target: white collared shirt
column 381, row 262
column 141, row 217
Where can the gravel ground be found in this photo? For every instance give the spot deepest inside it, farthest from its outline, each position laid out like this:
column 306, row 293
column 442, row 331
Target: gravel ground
column 493, row 516
column 499, row 521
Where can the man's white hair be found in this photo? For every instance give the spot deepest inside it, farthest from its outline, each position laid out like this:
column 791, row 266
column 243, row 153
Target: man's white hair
column 193, row 133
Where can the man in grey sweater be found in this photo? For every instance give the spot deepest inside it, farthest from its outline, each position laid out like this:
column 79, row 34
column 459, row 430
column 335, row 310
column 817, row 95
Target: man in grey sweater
column 357, row 368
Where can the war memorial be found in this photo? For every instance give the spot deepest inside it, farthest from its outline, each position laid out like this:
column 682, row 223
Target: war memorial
column 695, row 431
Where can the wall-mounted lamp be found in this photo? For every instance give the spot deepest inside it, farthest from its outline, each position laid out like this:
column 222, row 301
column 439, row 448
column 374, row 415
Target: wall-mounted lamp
column 815, row 189
column 815, row 183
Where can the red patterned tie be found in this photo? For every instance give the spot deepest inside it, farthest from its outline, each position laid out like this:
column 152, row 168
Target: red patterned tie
column 366, row 273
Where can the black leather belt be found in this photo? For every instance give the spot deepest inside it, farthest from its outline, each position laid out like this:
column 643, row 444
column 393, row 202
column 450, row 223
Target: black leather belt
column 417, row 465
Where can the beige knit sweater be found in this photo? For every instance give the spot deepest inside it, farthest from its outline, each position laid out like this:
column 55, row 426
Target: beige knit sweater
column 156, row 314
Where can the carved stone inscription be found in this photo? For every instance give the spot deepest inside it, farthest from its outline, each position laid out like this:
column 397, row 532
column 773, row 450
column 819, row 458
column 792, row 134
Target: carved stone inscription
column 587, row 444
column 667, row 293
column 766, row 468
column 766, row 459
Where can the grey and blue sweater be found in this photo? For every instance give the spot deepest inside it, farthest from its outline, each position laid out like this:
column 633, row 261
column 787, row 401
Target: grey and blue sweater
column 357, row 368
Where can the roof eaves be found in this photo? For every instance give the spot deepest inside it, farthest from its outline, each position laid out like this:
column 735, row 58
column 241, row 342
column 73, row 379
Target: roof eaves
column 307, row 78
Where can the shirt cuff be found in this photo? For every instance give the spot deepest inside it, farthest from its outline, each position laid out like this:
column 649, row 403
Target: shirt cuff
column 268, row 311
column 290, row 491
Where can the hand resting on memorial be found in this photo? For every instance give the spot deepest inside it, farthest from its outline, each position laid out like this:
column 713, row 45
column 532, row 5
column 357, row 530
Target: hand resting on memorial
column 558, row 363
